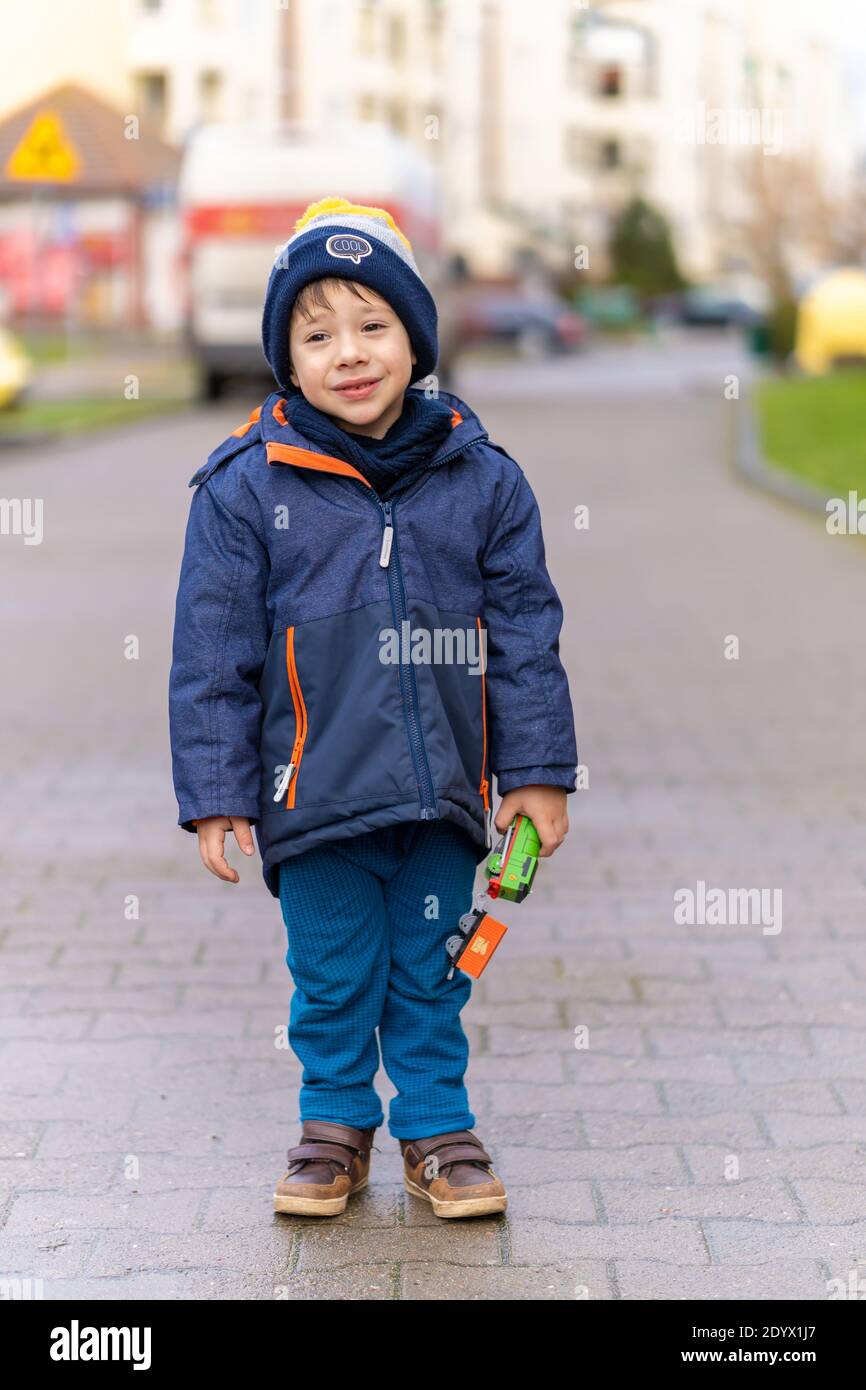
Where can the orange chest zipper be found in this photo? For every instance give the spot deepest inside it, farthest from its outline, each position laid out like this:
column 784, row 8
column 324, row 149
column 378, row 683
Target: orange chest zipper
column 289, row 778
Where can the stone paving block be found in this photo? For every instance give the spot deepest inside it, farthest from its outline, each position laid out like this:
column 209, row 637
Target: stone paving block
column 778, row 1069
column 733, row 1126
column 805, row 1097
column 267, row 1249
column 19, row 1139
column 628, row 1097
column 525, row 1166
column 582, row 1279
column 765, row 1280
column 838, row 1041
column 543, row 1067
column 188, row 973
column 80, row 1174
column 48, row 1255
column 584, row 1065
column 473, row 1245
column 114, row 1107
column 215, row 1023
column 160, row 999
column 14, row 1002
column 852, row 1094
column 764, row 1199
column 177, row 1285
column 741, row 1242
column 673, row 1042
column 45, row 1213
column 542, row 1242
column 826, row 1200
column 43, row 1026
column 799, row 1131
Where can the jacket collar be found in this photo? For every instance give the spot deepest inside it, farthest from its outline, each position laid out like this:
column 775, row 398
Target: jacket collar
column 285, row 445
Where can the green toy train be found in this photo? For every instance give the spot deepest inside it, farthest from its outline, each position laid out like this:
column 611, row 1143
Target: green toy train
column 510, row 869
column 511, row 866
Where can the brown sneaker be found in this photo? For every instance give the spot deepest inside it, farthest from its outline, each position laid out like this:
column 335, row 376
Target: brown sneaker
column 454, row 1173
column 331, row 1162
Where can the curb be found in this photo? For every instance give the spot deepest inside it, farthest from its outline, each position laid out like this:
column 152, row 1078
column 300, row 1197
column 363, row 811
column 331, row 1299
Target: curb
column 753, row 465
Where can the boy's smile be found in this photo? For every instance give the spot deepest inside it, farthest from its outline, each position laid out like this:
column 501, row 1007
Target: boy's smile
column 354, row 360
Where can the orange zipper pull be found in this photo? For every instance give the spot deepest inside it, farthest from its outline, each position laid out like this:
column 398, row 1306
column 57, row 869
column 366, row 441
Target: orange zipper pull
column 287, row 775
column 488, row 814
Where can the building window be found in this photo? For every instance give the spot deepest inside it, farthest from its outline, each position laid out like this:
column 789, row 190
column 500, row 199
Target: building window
column 610, row 82
column 210, row 96
column 399, row 114
column 368, row 107
column 152, row 96
column 368, row 28
column 575, row 149
column 610, row 155
column 435, row 15
column 397, row 38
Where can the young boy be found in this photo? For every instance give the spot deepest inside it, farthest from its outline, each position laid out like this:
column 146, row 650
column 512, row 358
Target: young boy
column 340, row 545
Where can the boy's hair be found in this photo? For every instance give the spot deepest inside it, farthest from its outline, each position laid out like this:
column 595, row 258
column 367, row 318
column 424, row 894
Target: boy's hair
column 314, row 293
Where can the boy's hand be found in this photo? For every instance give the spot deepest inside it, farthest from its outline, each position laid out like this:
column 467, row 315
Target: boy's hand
column 211, row 842
column 545, row 807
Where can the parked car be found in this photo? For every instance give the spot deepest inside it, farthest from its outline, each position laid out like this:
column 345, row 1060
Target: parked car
column 705, row 306
column 610, row 306
column 16, row 370
column 536, row 325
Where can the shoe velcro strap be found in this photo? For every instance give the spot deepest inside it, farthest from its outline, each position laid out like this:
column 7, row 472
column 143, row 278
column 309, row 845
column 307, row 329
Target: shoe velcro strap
column 436, row 1141
column 462, row 1147
column 324, row 1152
column 461, row 1153
column 334, row 1133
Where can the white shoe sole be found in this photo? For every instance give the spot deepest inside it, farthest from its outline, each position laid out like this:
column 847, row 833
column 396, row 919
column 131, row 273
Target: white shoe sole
column 472, row 1206
column 312, row 1206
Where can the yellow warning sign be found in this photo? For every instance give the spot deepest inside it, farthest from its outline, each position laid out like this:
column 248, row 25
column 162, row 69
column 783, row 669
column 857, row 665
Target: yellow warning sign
column 44, row 152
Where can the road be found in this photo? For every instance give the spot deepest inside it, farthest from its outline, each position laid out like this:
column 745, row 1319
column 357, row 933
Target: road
column 708, row 1141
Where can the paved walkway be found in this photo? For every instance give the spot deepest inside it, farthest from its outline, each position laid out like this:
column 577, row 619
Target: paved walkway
column 709, row 1141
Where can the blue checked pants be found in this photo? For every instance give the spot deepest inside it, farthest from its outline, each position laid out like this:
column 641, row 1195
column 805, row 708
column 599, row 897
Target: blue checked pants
column 367, row 919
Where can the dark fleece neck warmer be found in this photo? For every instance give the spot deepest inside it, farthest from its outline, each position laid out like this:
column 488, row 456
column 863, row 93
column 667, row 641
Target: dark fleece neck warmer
column 388, row 463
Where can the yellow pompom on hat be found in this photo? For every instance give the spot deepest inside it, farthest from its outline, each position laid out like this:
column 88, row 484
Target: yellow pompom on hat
column 334, row 237
column 357, row 209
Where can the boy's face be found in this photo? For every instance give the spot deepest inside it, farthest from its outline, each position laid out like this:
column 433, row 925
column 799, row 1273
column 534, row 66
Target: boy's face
column 357, row 340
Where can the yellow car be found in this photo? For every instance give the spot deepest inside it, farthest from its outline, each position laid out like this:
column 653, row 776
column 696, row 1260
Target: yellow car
column 16, row 370
column 831, row 321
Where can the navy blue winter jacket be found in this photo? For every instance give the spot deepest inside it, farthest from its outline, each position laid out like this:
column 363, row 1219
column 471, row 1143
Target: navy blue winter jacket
column 302, row 694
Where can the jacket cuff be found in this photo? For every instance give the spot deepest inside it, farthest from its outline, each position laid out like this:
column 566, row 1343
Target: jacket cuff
column 189, row 815
column 554, row 775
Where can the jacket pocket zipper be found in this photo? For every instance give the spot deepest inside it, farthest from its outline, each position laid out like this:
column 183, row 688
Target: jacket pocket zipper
column 300, row 724
column 484, row 784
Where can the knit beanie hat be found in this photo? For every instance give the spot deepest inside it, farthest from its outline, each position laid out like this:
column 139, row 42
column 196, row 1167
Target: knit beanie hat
column 334, row 237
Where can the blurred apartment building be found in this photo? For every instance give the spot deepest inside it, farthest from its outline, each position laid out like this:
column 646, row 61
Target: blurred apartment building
column 541, row 119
